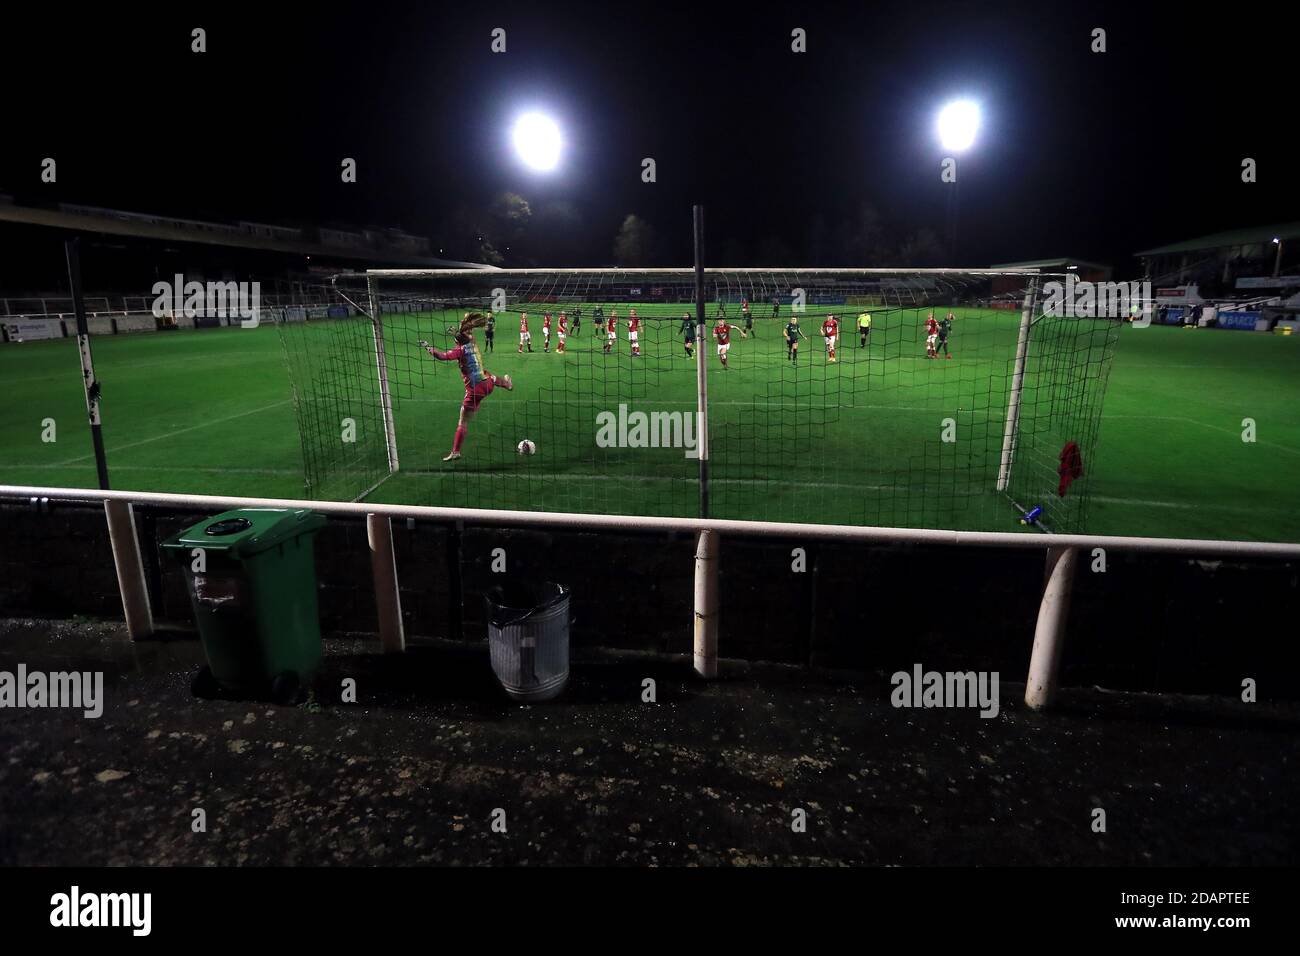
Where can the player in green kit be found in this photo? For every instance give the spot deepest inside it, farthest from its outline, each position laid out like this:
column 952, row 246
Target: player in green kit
column 792, row 336
column 945, row 327
column 688, row 333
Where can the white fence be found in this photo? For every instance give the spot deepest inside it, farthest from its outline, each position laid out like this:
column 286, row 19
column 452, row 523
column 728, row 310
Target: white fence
column 1062, row 553
column 33, row 328
column 44, row 307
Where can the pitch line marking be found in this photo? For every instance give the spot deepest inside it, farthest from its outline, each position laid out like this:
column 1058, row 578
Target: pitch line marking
column 132, row 366
column 1192, row 421
column 179, row 431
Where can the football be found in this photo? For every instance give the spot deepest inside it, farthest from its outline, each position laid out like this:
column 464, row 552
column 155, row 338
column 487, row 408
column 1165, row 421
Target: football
column 527, row 447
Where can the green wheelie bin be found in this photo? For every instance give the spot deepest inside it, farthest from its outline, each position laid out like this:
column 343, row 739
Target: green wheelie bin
column 252, row 583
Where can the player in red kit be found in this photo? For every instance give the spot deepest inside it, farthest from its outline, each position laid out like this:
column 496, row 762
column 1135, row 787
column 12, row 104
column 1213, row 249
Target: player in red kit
column 479, row 382
column 831, row 333
column 722, row 334
column 931, row 337
column 525, row 337
column 633, row 332
column 546, row 332
column 611, row 330
column 562, row 331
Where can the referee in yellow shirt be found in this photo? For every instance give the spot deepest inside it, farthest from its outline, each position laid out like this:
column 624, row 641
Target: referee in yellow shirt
column 864, row 328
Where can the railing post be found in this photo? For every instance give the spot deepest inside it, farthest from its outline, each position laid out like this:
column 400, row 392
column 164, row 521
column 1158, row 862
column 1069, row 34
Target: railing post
column 383, row 563
column 130, row 568
column 706, row 604
column 1049, row 633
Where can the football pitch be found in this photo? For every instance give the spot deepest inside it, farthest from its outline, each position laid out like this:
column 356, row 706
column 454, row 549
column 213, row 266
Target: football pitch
column 212, row 412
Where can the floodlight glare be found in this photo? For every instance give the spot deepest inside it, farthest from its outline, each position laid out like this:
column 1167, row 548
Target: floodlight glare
column 537, row 140
column 958, row 123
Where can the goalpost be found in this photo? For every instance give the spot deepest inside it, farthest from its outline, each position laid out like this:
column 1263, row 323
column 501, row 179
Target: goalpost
column 892, row 433
column 1017, row 387
column 381, row 375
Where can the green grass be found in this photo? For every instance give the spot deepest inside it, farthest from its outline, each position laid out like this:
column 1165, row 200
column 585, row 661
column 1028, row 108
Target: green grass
column 212, row 412
column 1172, row 460
column 803, row 441
column 199, row 411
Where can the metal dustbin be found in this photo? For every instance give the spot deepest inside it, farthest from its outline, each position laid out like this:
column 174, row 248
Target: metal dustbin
column 252, row 583
column 528, row 638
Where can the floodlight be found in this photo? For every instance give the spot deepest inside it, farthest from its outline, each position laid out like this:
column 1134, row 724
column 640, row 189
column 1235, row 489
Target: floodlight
column 958, row 123
column 537, row 140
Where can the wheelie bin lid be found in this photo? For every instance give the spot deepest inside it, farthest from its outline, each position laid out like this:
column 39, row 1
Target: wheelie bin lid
column 246, row 531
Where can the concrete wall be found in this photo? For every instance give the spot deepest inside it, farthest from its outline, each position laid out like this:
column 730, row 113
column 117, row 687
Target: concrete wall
column 1150, row 622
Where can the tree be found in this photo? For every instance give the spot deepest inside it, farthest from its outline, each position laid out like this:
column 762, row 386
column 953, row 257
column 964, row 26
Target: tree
column 555, row 236
column 476, row 229
column 487, row 253
column 921, row 248
column 864, row 238
column 509, row 220
column 509, row 216
column 635, row 243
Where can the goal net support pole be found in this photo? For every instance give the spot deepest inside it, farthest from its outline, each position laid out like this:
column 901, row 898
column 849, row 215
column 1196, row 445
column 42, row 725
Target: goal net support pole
column 706, row 542
column 381, row 369
column 1017, row 384
column 701, row 366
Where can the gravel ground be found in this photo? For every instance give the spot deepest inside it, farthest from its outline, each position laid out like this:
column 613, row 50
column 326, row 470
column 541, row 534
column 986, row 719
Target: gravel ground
column 711, row 773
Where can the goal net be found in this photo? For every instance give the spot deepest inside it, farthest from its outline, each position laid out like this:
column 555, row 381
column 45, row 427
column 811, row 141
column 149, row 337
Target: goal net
column 951, row 400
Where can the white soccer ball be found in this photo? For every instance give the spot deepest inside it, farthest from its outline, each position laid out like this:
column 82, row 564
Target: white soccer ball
column 526, row 447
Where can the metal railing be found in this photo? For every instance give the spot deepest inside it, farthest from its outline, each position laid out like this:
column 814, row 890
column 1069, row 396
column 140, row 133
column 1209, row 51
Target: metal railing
column 1062, row 552
column 56, row 307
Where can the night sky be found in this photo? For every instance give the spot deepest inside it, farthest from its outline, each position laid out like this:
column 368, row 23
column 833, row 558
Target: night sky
column 1082, row 154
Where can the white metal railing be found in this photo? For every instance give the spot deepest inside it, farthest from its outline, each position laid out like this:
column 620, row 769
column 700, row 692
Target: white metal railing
column 52, row 307
column 1206, row 547
column 1062, row 552
column 617, row 273
column 55, row 314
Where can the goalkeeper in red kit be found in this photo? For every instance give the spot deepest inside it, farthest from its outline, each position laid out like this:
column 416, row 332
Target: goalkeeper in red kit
column 479, row 382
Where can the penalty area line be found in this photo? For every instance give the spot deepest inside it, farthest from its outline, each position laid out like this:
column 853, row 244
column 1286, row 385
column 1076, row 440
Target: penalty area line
column 179, row 431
